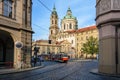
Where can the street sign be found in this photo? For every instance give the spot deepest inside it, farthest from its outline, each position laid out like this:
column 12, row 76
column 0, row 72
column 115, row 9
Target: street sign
column 19, row 44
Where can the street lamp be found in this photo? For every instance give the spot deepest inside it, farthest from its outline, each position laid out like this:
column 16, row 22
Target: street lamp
column 36, row 50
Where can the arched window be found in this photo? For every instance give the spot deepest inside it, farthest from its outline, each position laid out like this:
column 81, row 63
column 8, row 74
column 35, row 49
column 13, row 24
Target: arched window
column 70, row 26
column 64, row 26
column 7, row 9
column 51, row 31
column 72, row 41
column 52, row 22
column 55, row 21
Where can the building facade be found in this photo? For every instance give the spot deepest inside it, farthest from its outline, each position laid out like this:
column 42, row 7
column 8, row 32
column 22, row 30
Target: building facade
column 15, row 26
column 81, row 37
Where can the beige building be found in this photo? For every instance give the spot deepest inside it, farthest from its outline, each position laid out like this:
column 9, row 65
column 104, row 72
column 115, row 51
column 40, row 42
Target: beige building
column 15, row 28
column 81, row 37
column 45, row 49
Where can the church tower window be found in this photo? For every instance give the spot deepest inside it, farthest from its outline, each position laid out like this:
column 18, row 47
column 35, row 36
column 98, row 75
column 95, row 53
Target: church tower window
column 55, row 22
column 51, row 31
column 52, row 21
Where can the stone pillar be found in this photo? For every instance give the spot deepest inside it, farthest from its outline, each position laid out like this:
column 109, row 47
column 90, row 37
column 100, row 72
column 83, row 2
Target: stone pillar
column 108, row 24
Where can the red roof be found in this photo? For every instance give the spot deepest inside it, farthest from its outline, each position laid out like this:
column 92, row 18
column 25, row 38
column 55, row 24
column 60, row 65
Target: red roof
column 86, row 29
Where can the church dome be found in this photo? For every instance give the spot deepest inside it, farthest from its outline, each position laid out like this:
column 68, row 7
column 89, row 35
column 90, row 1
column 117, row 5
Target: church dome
column 69, row 15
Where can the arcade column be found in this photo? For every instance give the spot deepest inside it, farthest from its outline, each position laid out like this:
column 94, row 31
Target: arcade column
column 108, row 24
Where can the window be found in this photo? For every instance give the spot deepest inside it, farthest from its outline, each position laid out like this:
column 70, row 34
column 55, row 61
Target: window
column 86, row 32
column 81, row 38
column 64, row 26
column 72, row 41
column 52, row 21
column 91, row 31
column 86, row 37
column 81, row 33
column 70, row 26
column 7, row 8
column 55, row 21
column 51, row 32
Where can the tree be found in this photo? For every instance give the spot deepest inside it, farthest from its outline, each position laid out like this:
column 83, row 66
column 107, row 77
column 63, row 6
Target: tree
column 91, row 46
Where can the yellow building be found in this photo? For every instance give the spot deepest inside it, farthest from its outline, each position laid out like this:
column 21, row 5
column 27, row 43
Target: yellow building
column 82, row 35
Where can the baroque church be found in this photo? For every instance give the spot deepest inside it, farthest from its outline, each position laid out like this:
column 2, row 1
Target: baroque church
column 67, row 38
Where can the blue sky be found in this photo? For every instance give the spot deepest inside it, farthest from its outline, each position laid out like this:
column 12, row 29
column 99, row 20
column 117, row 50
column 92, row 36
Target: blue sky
column 84, row 10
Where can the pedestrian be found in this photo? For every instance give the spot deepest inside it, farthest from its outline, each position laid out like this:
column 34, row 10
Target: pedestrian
column 35, row 60
column 40, row 59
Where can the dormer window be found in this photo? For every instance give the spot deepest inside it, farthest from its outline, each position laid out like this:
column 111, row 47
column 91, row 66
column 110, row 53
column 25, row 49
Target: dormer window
column 7, row 8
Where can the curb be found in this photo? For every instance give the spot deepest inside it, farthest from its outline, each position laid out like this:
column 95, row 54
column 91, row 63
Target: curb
column 12, row 71
column 95, row 71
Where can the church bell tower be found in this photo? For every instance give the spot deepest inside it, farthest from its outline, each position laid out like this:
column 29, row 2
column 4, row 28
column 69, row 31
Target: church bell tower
column 53, row 30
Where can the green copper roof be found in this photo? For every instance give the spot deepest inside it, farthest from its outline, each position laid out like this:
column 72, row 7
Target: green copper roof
column 69, row 14
column 69, row 17
column 54, row 10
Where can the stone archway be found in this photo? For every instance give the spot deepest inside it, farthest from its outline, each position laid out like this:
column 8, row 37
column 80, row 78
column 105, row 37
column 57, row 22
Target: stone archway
column 6, row 49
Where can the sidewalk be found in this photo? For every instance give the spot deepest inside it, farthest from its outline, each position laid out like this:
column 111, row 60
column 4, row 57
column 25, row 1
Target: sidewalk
column 95, row 71
column 12, row 70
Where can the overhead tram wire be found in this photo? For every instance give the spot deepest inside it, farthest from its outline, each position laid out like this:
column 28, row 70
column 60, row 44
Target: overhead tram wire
column 45, row 6
column 40, row 27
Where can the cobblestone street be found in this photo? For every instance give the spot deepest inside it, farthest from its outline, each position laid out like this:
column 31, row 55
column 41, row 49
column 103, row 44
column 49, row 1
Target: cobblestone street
column 73, row 70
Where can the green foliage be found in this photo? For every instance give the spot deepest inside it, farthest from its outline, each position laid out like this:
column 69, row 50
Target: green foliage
column 91, row 46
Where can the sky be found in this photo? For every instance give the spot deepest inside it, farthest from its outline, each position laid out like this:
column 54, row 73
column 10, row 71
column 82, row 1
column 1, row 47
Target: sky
column 83, row 10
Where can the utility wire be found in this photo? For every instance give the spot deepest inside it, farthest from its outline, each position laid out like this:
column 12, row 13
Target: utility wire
column 40, row 27
column 45, row 6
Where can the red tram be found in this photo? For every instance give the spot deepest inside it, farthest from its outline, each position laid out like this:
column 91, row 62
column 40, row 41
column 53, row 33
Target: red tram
column 60, row 57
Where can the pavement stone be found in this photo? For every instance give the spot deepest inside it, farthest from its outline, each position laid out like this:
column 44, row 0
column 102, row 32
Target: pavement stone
column 95, row 71
column 10, row 71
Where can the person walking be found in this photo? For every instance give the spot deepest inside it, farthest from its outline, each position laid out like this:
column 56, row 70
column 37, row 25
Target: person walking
column 35, row 60
column 40, row 59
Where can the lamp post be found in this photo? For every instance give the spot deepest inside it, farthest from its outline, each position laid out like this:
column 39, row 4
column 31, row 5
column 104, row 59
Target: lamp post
column 36, row 50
